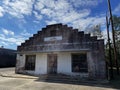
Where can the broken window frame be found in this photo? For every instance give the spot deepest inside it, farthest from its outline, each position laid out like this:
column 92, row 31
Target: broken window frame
column 79, row 63
column 30, row 62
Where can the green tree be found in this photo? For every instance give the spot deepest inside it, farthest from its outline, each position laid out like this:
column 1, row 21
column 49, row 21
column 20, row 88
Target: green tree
column 95, row 31
column 116, row 23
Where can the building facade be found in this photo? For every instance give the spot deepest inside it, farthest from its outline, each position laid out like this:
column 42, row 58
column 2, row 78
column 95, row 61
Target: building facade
column 7, row 57
column 59, row 49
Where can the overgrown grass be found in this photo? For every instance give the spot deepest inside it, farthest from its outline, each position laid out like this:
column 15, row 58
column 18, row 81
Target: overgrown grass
column 115, row 83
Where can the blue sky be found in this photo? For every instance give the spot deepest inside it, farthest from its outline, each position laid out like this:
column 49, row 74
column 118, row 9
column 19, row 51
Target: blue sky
column 20, row 19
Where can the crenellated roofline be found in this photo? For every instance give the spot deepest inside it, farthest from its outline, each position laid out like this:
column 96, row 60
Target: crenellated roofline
column 67, row 35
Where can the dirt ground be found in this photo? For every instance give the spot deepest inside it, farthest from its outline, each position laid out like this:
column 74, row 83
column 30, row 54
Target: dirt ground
column 17, row 83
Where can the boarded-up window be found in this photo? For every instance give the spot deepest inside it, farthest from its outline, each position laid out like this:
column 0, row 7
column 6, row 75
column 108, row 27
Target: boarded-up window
column 79, row 63
column 30, row 62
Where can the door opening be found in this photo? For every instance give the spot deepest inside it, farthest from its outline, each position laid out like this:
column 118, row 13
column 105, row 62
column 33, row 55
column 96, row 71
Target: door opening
column 52, row 63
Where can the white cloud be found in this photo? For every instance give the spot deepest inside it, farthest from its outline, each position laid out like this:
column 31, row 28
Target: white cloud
column 72, row 16
column 1, row 11
column 39, row 5
column 52, row 11
column 25, row 33
column 36, row 21
column 64, row 12
column 117, row 10
column 4, row 43
column 2, row 35
column 86, row 23
column 51, row 22
column 105, row 37
column 12, row 40
column 85, row 3
column 37, row 15
column 8, row 38
column 55, row 11
column 47, row 11
column 7, row 32
column 18, row 8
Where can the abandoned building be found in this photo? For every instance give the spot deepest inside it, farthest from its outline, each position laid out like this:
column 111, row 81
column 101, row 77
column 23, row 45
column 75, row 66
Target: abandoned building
column 59, row 49
column 7, row 57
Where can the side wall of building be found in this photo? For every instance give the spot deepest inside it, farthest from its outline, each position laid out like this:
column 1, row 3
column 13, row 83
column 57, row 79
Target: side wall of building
column 20, row 63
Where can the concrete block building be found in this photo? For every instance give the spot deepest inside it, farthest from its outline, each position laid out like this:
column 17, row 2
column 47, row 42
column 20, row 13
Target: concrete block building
column 59, row 49
column 7, row 57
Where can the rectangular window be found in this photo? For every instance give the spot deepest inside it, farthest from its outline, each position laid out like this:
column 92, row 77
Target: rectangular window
column 30, row 62
column 79, row 63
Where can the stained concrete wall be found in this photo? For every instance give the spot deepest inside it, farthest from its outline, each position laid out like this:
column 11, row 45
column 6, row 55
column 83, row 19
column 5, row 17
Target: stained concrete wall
column 71, row 40
column 20, row 63
column 65, row 64
column 96, row 64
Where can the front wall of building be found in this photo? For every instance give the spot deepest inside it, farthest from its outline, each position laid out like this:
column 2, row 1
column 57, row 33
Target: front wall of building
column 41, row 63
column 62, row 40
column 20, row 63
column 96, row 65
column 64, row 63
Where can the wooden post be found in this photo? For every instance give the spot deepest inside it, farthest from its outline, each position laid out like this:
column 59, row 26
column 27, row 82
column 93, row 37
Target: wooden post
column 113, row 36
column 110, row 56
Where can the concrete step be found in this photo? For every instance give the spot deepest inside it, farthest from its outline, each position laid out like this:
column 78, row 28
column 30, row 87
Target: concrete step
column 69, row 79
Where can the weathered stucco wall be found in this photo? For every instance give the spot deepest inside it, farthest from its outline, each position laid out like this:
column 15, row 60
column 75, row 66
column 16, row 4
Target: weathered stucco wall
column 41, row 63
column 96, row 64
column 20, row 63
column 64, row 63
column 65, row 41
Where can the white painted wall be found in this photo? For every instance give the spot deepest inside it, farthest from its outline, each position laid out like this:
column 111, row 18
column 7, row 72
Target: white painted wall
column 20, row 60
column 41, row 63
column 64, row 63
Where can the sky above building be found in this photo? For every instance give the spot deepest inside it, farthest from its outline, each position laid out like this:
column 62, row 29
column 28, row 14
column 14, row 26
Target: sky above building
column 20, row 19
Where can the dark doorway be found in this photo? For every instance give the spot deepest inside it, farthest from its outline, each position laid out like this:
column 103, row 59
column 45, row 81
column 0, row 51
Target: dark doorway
column 52, row 63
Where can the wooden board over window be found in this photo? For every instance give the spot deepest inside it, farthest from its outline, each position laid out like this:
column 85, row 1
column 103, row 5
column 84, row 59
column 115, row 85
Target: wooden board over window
column 30, row 62
column 79, row 63
column 52, row 63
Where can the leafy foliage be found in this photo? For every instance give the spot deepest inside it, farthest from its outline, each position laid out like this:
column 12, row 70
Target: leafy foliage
column 116, row 22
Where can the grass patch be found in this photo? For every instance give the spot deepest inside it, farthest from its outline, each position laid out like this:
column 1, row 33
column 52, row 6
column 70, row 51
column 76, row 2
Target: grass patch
column 115, row 83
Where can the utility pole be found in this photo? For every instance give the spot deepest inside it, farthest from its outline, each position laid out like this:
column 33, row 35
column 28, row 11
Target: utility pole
column 110, row 56
column 113, row 36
